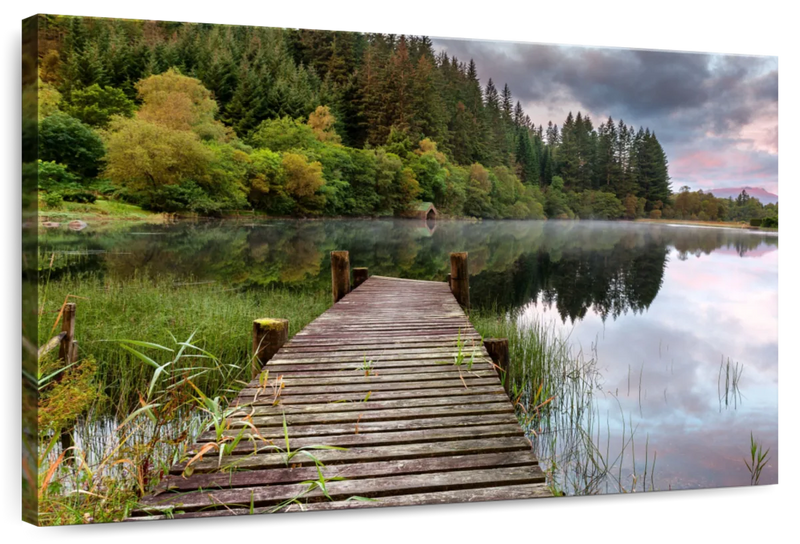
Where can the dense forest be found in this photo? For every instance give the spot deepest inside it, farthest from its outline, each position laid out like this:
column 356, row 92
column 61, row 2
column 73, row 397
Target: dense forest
column 209, row 119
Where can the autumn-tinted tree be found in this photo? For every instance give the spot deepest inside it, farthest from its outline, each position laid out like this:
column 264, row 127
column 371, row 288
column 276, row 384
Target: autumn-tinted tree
column 144, row 156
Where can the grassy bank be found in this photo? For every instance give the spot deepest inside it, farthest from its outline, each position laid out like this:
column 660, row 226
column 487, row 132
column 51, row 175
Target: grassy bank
column 100, row 210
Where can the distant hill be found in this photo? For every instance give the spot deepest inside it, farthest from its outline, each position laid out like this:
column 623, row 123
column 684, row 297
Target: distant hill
column 764, row 196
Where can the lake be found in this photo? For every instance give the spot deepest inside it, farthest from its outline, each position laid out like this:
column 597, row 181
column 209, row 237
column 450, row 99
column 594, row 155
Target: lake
column 680, row 323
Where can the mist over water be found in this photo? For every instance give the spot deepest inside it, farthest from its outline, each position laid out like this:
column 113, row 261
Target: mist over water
column 664, row 308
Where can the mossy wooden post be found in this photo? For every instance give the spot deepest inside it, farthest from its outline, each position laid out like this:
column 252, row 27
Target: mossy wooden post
column 269, row 335
column 459, row 278
column 498, row 351
column 340, row 274
column 68, row 350
column 360, row 275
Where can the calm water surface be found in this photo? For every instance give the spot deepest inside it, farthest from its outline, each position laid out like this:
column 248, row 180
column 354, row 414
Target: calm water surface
column 661, row 309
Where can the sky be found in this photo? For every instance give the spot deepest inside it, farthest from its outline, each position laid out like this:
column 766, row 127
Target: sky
column 715, row 115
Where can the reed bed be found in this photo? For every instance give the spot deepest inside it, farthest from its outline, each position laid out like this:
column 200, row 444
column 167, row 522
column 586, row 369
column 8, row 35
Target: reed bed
column 161, row 310
column 557, row 390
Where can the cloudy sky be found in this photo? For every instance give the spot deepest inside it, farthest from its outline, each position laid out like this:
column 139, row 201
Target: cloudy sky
column 715, row 115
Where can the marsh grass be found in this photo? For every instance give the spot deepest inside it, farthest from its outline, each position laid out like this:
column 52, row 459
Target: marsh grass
column 758, row 460
column 161, row 309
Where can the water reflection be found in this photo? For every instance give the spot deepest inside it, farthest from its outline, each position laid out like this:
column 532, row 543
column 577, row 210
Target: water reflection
column 608, row 268
column 662, row 307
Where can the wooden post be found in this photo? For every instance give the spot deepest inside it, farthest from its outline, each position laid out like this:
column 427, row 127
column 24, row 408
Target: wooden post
column 340, row 274
column 498, row 351
column 449, row 282
column 269, row 335
column 67, row 441
column 68, row 350
column 459, row 278
column 360, row 275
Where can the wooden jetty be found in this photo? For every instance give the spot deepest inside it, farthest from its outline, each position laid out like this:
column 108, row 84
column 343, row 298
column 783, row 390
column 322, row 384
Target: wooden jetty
column 395, row 378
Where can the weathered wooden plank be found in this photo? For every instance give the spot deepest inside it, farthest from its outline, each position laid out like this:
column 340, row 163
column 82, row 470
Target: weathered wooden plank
column 358, row 343
column 258, row 496
column 378, row 377
column 379, row 415
column 309, row 370
column 364, row 427
column 443, row 358
column 396, row 412
column 333, row 355
column 377, row 346
column 361, row 435
column 369, row 334
column 351, row 471
column 331, row 340
column 372, row 404
column 485, row 494
column 376, row 453
column 467, row 382
column 265, row 398
column 507, row 492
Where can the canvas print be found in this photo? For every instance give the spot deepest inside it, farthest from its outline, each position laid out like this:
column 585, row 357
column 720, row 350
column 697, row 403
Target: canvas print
column 272, row 270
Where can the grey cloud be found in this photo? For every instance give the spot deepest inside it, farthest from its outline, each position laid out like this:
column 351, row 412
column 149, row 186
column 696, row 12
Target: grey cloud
column 629, row 83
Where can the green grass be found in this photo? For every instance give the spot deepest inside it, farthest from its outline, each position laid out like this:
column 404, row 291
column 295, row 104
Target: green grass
column 101, row 210
column 758, row 460
column 160, row 310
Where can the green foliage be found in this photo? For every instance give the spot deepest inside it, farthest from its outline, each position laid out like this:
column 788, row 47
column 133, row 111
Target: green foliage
column 284, row 134
column 53, row 199
column 597, row 205
column 755, row 222
column 95, row 105
column 186, row 196
column 770, row 222
column 49, row 100
column 65, row 140
column 80, row 196
column 54, row 175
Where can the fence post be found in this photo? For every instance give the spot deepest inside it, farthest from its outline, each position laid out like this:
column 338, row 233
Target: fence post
column 498, row 351
column 68, row 349
column 269, row 335
column 459, row 278
column 340, row 274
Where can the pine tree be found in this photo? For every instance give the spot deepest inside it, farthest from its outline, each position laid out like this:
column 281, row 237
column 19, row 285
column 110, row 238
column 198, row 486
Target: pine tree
column 568, row 153
column 427, row 104
column 507, row 104
column 245, row 110
column 494, row 135
column 526, row 158
column 519, row 115
column 397, row 88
